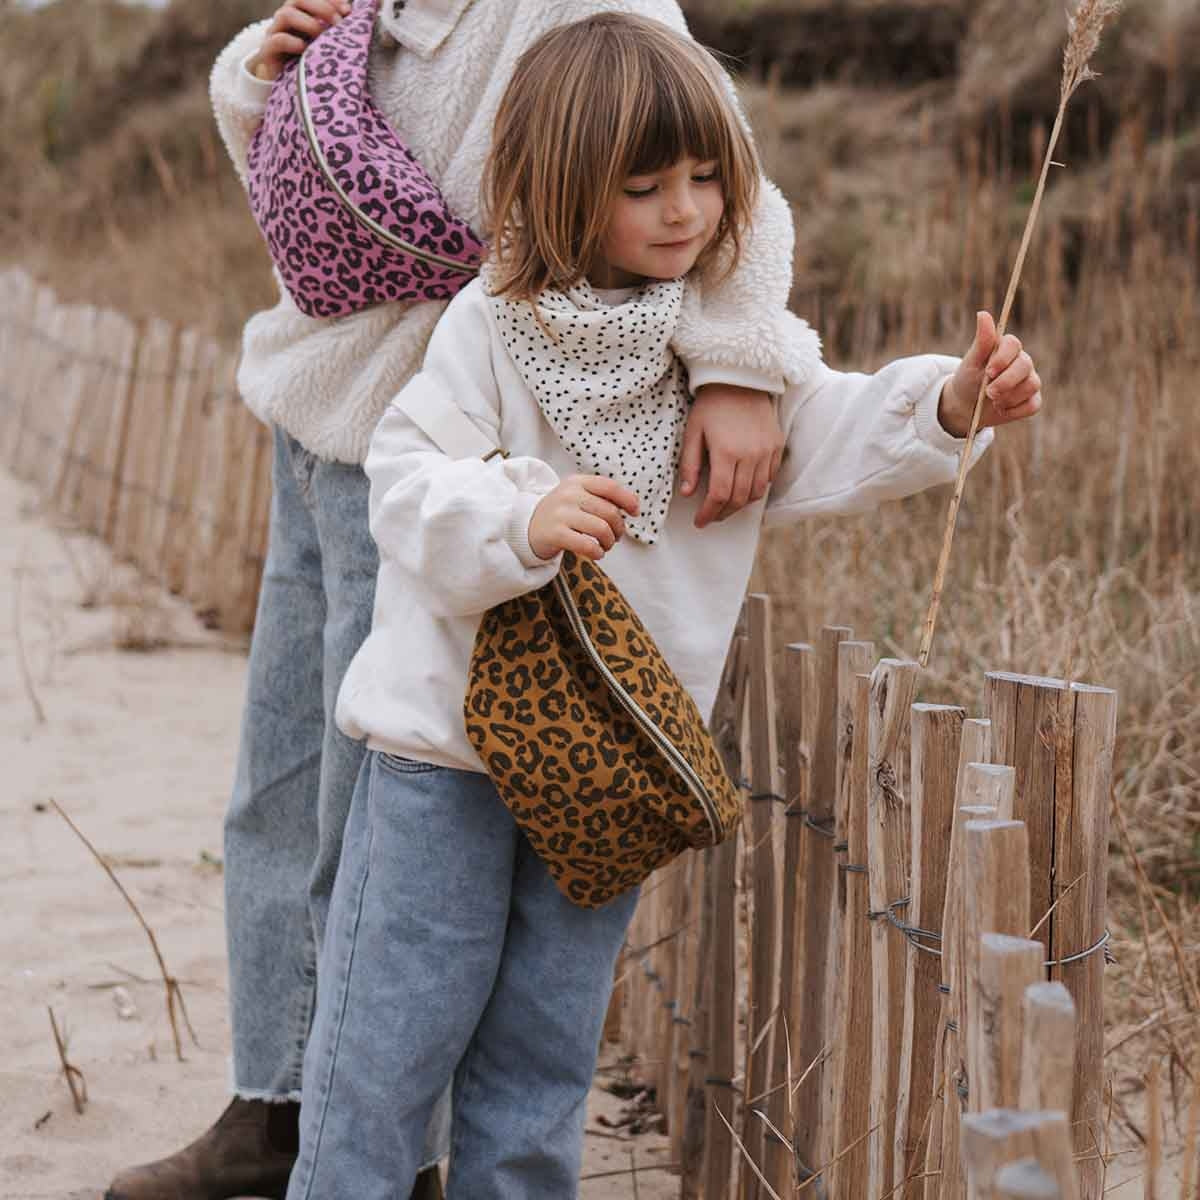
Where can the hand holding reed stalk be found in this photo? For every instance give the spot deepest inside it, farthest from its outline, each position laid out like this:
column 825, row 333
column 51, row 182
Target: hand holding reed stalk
column 1084, row 27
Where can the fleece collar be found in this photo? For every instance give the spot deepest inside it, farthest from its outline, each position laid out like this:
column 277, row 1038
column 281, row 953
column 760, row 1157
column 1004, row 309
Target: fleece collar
column 421, row 25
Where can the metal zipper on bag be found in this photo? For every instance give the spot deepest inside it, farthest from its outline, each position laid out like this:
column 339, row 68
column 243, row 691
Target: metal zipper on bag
column 361, row 217
column 678, row 761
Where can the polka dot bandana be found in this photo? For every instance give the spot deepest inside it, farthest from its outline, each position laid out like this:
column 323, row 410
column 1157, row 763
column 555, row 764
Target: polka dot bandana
column 609, row 383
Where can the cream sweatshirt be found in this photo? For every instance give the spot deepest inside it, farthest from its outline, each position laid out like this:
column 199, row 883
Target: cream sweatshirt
column 453, row 534
column 437, row 71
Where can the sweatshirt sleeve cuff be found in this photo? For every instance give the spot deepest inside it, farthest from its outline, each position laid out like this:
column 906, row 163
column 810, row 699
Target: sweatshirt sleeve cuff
column 517, row 533
column 757, row 380
column 929, row 428
column 252, row 92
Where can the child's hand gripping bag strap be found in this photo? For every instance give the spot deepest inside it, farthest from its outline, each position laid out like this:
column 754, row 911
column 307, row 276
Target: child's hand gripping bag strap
column 350, row 217
column 597, row 749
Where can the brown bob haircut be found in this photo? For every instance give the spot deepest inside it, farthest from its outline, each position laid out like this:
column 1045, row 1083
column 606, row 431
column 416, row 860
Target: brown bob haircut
column 589, row 105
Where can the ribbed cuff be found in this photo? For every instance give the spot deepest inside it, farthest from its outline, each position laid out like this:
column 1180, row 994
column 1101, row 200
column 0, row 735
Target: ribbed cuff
column 252, row 92
column 517, row 532
column 702, row 373
column 929, row 428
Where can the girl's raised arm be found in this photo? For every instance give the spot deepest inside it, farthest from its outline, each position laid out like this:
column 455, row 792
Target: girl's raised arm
column 857, row 440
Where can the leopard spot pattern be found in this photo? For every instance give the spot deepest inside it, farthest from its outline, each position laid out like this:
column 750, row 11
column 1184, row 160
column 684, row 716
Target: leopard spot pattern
column 598, row 801
column 329, row 261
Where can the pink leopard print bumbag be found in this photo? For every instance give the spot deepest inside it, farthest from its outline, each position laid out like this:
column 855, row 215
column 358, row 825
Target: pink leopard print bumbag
column 350, row 217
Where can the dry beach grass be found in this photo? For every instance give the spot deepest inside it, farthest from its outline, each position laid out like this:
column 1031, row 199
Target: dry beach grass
column 1078, row 551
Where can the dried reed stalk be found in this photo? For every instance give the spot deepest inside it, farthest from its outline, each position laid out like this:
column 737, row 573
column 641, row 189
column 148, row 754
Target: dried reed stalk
column 72, row 1074
column 1084, row 29
column 170, row 983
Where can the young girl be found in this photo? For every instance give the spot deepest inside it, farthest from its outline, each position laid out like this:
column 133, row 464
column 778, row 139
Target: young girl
column 619, row 185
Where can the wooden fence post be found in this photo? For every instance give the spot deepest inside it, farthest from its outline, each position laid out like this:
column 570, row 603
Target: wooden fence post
column 892, row 686
column 75, row 388
column 974, row 747
column 818, row 874
column 727, row 726
column 849, row 1174
column 691, row 1151
column 799, row 716
column 1081, row 865
column 174, row 532
column 211, row 563
column 936, row 739
column 1007, row 966
column 33, row 370
column 1025, row 1180
column 1063, row 795
column 137, row 482
column 997, row 901
column 107, row 409
column 1000, row 1136
column 854, row 658
column 1048, row 1041
column 762, row 990
column 18, row 293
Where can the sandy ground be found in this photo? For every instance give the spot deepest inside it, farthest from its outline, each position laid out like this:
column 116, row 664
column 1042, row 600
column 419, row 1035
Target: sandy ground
column 138, row 747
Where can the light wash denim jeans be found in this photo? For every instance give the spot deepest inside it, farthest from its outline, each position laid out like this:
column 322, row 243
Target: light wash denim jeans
column 296, row 771
column 450, row 954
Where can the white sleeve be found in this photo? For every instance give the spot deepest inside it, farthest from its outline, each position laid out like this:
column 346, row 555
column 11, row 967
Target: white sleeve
column 458, row 527
column 854, row 441
column 239, row 98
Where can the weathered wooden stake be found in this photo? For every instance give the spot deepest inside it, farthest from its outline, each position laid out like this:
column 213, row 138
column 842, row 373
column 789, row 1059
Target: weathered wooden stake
column 892, row 686
column 997, row 901
column 818, row 873
column 762, row 992
column 1078, row 924
column 1047, row 1048
column 936, row 738
column 848, row 1176
column 1007, row 966
column 1025, row 1180
column 999, row 1136
column 798, row 689
column 727, row 726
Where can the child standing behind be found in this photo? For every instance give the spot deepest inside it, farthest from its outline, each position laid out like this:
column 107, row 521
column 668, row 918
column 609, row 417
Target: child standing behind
column 620, row 180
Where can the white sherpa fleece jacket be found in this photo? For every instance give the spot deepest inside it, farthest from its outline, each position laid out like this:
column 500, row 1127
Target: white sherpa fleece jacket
column 437, row 71
column 453, row 533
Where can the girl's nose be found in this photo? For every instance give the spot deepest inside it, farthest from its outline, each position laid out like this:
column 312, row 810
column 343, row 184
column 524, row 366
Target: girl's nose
column 682, row 207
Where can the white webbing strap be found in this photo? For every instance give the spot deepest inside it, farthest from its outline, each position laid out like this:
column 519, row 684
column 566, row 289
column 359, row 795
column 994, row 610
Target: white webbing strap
column 445, row 424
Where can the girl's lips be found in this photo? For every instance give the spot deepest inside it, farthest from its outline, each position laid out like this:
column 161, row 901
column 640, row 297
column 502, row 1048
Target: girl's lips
column 676, row 245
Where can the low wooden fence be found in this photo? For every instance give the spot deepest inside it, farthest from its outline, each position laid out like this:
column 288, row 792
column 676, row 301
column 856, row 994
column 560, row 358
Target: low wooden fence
column 924, row 892
column 135, row 431
column 919, row 897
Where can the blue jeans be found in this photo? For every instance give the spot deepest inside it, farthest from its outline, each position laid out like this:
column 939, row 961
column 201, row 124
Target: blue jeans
column 296, row 771
column 450, row 955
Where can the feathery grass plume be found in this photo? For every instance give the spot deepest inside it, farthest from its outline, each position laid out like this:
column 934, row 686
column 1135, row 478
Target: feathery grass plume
column 1084, row 27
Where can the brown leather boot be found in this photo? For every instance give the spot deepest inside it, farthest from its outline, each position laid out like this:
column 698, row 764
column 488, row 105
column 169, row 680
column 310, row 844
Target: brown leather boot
column 250, row 1151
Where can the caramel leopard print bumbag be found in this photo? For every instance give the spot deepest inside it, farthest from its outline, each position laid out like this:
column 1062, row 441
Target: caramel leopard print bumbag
column 598, row 750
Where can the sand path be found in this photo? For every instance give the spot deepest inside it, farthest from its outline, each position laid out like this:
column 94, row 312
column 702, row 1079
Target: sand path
column 139, row 748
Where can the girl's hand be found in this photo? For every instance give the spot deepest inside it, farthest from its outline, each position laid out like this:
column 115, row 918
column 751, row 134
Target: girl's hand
column 739, row 430
column 294, row 26
column 584, row 515
column 1014, row 389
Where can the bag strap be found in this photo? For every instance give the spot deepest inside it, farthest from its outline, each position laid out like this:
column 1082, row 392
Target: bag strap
column 446, row 425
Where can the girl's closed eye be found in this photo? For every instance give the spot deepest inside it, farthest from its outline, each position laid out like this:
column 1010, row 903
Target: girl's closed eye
column 709, row 173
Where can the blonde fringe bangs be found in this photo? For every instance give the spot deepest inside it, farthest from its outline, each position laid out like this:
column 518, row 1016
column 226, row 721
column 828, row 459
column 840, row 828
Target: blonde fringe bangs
column 589, row 105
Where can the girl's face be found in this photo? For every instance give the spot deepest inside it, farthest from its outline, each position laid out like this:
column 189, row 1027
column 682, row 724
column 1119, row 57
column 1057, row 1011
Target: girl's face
column 659, row 224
